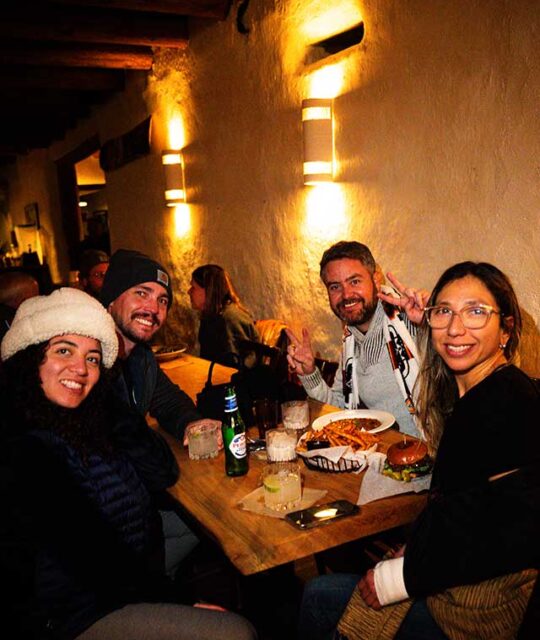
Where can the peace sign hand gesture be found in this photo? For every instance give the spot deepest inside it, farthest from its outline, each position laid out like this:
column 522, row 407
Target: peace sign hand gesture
column 412, row 301
column 300, row 354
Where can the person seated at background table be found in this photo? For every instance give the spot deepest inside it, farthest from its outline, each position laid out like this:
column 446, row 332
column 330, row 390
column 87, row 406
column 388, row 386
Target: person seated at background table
column 379, row 360
column 93, row 266
column 15, row 288
column 482, row 522
column 225, row 322
column 137, row 293
column 81, row 549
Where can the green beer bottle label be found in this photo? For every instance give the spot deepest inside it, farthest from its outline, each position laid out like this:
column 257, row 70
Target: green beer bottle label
column 237, row 446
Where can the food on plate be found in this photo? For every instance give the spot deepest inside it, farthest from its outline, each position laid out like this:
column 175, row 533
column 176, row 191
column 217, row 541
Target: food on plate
column 341, row 433
column 407, row 459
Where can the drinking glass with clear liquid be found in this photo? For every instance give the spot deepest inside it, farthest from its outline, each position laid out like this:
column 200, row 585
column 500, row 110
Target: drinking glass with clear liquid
column 203, row 442
column 282, row 485
column 295, row 417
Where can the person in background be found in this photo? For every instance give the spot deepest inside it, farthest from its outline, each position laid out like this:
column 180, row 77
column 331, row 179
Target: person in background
column 224, row 320
column 15, row 288
column 379, row 359
column 137, row 293
column 81, row 548
column 93, row 266
column 480, row 527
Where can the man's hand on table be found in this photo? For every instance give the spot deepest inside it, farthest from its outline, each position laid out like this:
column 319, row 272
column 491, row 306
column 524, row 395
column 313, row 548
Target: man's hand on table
column 203, row 422
column 300, row 354
column 412, row 301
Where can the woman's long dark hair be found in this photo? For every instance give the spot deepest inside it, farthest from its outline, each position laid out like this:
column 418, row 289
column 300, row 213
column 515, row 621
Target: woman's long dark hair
column 437, row 388
column 86, row 428
column 218, row 288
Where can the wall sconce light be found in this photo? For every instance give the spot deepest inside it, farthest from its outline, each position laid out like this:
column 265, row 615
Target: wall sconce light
column 173, row 165
column 317, row 124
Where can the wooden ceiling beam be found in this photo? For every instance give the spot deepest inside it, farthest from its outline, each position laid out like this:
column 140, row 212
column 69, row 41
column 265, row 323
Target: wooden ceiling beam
column 197, row 8
column 61, row 79
column 55, row 24
column 98, row 56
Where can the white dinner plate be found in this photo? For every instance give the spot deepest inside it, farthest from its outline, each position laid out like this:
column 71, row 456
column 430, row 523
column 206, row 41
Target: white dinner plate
column 163, row 355
column 386, row 419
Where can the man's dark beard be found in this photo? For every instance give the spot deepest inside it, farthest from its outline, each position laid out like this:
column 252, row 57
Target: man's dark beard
column 368, row 311
column 132, row 336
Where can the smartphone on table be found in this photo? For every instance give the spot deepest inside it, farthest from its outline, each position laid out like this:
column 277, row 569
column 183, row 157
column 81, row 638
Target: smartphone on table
column 321, row 514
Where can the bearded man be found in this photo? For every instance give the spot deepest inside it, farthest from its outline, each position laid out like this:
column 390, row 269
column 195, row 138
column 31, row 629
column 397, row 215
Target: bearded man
column 137, row 293
column 379, row 360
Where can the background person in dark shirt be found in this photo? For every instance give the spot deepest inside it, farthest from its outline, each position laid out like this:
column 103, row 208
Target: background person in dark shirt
column 93, row 266
column 224, row 319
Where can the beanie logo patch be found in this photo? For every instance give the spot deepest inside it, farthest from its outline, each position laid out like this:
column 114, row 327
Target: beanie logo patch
column 162, row 277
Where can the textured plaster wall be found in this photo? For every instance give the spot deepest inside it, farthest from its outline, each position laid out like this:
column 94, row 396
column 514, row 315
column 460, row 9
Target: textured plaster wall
column 436, row 140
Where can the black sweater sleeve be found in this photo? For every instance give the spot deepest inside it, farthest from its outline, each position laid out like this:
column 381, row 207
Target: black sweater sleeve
column 171, row 407
column 475, row 534
column 147, row 450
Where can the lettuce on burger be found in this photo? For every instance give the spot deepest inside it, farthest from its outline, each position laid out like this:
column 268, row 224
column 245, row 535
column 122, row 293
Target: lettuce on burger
column 407, row 460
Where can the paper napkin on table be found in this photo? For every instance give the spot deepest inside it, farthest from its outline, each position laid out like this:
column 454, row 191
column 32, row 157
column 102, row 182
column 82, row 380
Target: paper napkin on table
column 254, row 501
column 376, row 486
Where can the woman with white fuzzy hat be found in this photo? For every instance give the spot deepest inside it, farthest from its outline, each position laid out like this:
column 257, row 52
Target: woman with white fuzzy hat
column 81, row 550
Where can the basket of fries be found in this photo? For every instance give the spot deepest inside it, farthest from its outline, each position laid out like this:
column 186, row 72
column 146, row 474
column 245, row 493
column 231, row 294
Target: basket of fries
column 338, row 446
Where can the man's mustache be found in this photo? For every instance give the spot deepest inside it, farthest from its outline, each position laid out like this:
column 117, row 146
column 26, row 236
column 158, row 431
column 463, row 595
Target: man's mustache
column 150, row 316
column 341, row 305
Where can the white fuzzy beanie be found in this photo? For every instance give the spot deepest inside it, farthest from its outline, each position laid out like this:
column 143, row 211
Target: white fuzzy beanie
column 64, row 311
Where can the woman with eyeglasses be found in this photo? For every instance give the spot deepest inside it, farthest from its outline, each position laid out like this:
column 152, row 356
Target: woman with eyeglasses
column 479, row 413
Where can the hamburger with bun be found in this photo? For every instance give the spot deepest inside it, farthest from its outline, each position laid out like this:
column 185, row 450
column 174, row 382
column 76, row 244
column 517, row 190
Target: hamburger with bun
column 406, row 460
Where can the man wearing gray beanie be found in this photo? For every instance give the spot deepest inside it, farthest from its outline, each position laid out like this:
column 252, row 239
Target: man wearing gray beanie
column 137, row 293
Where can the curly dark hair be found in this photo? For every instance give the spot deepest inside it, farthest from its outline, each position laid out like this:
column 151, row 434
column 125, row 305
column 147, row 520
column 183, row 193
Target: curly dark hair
column 86, row 428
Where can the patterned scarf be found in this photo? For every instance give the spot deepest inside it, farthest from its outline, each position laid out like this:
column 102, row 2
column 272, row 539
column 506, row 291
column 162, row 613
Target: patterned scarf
column 401, row 351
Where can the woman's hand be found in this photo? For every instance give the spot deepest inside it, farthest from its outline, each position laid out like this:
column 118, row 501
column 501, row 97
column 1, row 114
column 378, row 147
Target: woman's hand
column 300, row 355
column 412, row 301
column 366, row 586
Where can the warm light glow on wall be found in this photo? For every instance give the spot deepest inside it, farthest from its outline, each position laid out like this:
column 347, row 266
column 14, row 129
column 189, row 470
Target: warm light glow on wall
column 182, row 220
column 342, row 15
column 177, row 133
column 325, row 212
column 326, row 82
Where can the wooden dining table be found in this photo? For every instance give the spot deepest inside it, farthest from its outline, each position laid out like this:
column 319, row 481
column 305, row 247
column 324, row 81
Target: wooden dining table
column 255, row 542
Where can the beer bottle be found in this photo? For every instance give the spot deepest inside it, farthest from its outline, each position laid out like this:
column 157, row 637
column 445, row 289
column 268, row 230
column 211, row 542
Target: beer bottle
column 234, row 437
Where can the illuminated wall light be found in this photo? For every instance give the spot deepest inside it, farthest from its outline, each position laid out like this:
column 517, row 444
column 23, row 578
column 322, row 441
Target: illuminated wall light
column 83, row 203
column 182, row 220
column 318, row 140
column 173, row 166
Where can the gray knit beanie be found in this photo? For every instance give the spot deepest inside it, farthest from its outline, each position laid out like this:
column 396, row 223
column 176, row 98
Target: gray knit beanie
column 64, row 311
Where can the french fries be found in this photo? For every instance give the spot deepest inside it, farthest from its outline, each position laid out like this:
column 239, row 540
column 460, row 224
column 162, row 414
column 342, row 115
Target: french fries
column 345, row 433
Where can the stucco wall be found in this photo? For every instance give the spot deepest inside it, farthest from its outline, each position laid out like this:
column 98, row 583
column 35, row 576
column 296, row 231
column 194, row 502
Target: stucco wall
column 436, row 141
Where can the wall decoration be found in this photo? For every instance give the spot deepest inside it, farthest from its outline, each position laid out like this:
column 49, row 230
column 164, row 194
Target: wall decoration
column 31, row 214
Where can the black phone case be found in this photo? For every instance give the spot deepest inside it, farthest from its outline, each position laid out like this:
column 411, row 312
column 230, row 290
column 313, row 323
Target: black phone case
column 304, row 519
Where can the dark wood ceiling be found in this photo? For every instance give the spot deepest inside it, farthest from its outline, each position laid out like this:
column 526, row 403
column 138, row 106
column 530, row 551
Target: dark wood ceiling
column 59, row 58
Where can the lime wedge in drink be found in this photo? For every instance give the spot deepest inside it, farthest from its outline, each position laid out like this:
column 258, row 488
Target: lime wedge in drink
column 272, row 484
